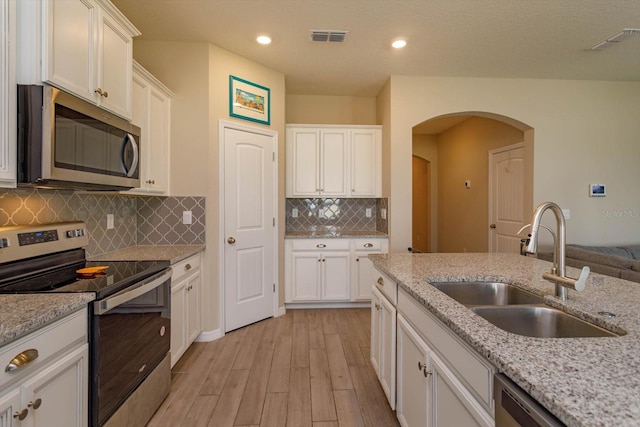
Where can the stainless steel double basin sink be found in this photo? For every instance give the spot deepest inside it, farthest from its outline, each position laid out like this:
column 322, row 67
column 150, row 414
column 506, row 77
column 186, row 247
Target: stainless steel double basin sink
column 518, row 311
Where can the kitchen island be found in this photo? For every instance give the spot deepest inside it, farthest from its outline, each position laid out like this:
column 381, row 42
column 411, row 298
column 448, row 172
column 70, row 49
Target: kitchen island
column 582, row 381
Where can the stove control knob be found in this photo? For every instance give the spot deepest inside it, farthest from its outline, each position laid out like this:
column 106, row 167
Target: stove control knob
column 80, row 232
column 72, row 233
column 4, row 243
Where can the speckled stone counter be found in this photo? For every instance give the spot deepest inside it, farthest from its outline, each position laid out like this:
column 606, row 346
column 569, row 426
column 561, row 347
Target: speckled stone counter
column 23, row 314
column 583, row 381
column 335, row 234
column 171, row 253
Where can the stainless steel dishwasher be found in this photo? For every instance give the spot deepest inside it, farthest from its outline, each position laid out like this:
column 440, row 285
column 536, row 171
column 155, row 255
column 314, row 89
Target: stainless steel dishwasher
column 514, row 407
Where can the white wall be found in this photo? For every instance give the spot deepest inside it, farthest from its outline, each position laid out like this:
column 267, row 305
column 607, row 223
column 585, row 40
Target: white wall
column 585, row 132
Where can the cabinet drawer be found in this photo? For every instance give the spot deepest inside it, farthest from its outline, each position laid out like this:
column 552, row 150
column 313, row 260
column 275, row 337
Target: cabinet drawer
column 387, row 286
column 48, row 341
column 475, row 372
column 184, row 267
column 320, row 245
column 369, row 244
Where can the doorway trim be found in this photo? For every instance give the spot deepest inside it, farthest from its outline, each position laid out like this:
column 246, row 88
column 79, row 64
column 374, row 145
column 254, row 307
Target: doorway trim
column 222, row 126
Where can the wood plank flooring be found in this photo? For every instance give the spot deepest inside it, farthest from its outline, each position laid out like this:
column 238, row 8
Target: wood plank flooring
column 308, row 368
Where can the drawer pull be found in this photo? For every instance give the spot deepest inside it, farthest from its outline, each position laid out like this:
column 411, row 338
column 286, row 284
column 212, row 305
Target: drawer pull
column 378, row 306
column 421, row 366
column 187, row 267
column 380, row 281
column 426, row 373
column 368, row 245
column 35, row 405
column 321, row 245
column 22, row 359
column 21, row 415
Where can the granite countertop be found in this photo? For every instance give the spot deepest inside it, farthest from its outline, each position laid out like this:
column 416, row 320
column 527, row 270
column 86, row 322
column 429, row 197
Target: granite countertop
column 334, row 234
column 171, row 253
column 22, row 314
column 583, row 381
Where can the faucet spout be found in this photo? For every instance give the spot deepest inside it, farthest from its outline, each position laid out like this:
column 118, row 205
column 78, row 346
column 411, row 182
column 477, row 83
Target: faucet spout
column 558, row 272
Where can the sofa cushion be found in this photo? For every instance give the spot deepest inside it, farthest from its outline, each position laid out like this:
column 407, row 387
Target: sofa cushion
column 603, row 258
column 634, row 250
column 631, row 275
column 635, row 265
column 606, row 250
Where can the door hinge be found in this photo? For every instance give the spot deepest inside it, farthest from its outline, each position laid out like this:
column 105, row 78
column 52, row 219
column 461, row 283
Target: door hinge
column 274, row 287
column 274, row 222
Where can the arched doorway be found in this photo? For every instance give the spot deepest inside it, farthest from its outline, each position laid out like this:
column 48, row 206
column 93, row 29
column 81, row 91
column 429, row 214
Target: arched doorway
column 458, row 148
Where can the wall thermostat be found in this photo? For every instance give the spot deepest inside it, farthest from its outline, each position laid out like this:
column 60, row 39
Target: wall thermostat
column 597, row 190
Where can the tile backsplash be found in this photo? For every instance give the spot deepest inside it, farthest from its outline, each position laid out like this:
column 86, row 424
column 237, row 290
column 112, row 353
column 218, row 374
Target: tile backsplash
column 339, row 213
column 137, row 219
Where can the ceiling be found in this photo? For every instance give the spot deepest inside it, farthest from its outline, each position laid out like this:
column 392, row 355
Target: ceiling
column 458, row 38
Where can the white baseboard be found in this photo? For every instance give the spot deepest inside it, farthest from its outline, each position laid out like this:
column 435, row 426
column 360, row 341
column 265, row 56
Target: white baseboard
column 207, row 336
column 281, row 311
column 304, row 305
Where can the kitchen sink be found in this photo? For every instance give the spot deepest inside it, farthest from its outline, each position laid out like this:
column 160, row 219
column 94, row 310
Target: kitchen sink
column 539, row 322
column 487, row 293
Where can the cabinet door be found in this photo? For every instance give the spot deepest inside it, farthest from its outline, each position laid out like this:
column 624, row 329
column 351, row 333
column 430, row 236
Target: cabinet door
column 366, row 163
column 68, row 53
column 303, row 162
column 115, row 50
column 412, row 405
column 178, row 320
column 156, row 180
column 334, row 162
column 385, row 343
column 58, row 395
column 376, row 309
column 10, row 407
column 193, row 307
column 305, row 276
column 335, row 276
column 452, row 404
column 364, row 277
column 7, row 94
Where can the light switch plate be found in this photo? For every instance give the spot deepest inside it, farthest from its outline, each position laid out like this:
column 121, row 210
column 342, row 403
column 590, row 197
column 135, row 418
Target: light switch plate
column 383, row 213
column 110, row 222
column 187, row 217
column 294, row 213
column 367, row 212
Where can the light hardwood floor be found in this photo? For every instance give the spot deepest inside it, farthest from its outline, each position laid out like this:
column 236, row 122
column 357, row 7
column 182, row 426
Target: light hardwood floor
column 306, row 368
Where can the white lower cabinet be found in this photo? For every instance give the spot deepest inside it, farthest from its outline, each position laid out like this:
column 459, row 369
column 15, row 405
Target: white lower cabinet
column 383, row 343
column 441, row 382
column 364, row 273
column 50, row 390
column 185, row 305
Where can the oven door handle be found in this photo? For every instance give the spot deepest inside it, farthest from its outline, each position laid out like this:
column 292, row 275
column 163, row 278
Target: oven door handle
column 107, row 304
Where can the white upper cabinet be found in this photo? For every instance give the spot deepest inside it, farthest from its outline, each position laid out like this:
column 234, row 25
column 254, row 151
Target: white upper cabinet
column 86, row 48
column 152, row 113
column 334, row 161
column 7, row 94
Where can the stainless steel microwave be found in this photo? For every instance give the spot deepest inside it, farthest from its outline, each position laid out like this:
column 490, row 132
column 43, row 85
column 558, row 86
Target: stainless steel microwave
column 66, row 142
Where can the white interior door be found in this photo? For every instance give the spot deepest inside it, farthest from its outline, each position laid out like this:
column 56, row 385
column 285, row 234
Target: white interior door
column 506, row 198
column 249, row 226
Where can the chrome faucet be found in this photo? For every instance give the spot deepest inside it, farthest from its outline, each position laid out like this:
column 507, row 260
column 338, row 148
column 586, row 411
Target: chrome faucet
column 558, row 272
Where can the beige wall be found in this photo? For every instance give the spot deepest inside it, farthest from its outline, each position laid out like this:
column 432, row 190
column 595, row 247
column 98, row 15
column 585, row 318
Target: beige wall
column 585, row 132
column 426, row 146
column 337, row 110
column 463, row 155
column 383, row 117
column 198, row 73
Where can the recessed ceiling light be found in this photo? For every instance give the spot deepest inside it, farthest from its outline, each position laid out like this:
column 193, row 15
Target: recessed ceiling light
column 264, row 39
column 399, row 44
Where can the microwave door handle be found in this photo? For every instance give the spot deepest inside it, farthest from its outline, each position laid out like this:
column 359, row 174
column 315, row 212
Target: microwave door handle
column 128, row 139
column 108, row 304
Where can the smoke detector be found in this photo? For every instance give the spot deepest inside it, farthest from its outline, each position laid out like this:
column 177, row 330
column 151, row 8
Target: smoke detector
column 616, row 38
column 329, row 36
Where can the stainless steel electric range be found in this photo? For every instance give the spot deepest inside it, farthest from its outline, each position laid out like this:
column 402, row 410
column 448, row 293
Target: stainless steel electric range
column 129, row 321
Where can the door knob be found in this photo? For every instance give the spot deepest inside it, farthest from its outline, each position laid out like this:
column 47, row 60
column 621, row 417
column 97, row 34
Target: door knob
column 231, row 240
column 492, row 226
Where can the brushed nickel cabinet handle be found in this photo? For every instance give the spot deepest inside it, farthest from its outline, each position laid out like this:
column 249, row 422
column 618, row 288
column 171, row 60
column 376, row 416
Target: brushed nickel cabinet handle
column 368, row 245
column 21, row 415
column 231, row 240
column 426, row 373
column 99, row 91
column 321, row 245
column 105, row 94
column 380, row 281
column 22, row 359
column 36, row 404
column 188, row 266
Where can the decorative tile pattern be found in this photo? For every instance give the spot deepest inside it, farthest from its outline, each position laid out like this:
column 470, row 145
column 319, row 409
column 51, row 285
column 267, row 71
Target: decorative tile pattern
column 342, row 214
column 153, row 220
column 160, row 221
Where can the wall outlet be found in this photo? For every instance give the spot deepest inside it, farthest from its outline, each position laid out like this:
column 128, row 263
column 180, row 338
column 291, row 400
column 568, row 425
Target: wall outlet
column 110, row 223
column 367, row 212
column 383, row 213
column 187, row 217
column 294, row 212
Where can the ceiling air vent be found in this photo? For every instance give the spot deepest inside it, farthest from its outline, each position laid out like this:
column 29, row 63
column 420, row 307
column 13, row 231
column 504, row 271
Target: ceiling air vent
column 328, row 36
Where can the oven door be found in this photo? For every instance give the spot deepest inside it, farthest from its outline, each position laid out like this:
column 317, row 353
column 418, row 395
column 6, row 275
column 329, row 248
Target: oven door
column 130, row 336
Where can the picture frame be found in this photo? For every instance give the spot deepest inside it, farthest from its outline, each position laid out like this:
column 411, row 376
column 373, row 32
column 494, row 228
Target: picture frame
column 249, row 101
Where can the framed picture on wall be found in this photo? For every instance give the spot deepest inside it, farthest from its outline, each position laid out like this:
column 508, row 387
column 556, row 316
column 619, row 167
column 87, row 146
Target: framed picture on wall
column 249, row 101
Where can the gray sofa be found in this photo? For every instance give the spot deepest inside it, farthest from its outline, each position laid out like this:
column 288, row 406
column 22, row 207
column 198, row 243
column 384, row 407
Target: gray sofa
column 617, row 261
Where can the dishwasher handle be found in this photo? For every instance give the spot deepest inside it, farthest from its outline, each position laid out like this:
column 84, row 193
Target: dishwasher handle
column 515, row 408
column 103, row 306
